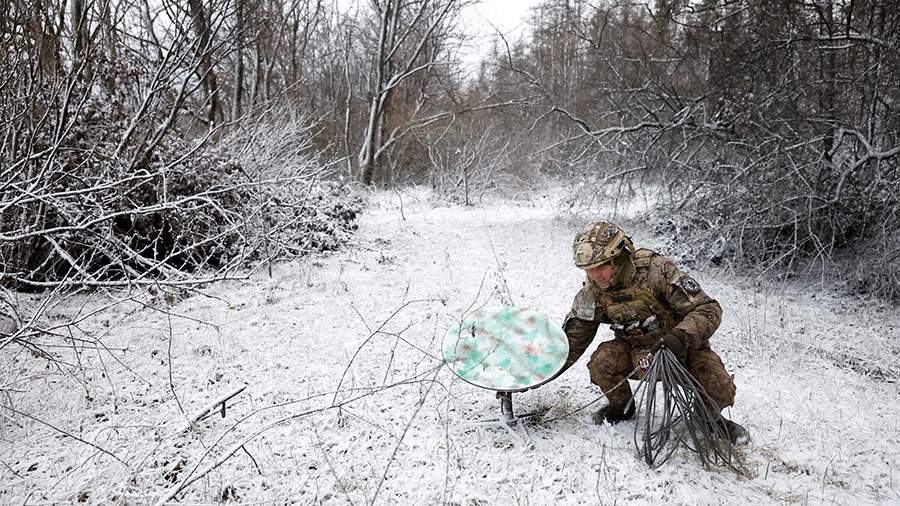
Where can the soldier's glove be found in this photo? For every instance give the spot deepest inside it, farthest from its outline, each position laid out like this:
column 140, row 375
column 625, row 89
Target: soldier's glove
column 676, row 341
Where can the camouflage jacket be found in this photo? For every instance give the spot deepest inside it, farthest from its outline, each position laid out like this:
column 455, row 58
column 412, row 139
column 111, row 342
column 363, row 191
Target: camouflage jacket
column 652, row 287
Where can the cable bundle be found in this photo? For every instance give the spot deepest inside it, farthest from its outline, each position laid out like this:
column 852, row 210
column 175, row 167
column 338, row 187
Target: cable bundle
column 685, row 415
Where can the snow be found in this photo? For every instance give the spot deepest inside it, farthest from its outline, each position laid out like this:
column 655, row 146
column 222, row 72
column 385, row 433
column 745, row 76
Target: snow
column 361, row 329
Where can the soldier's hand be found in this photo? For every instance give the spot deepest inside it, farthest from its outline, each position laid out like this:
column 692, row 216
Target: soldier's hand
column 675, row 340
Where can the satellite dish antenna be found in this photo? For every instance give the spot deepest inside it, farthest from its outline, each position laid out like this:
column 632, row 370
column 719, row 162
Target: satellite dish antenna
column 506, row 349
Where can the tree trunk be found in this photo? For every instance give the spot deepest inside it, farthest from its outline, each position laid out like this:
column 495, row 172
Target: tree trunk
column 367, row 152
column 873, row 71
column 827, row 76
column 236, row 110
column 205, row 68
column 348, row 102
column 79, row 25
column 111, row 47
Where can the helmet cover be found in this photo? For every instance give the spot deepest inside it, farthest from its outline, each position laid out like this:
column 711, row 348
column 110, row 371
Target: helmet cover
column 599, row 242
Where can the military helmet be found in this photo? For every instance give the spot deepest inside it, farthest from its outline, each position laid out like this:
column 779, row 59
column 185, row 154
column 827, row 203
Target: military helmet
column 599, row 242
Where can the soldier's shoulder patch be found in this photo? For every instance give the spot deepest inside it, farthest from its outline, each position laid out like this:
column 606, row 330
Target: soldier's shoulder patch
column 585, row 305
column 690, row 285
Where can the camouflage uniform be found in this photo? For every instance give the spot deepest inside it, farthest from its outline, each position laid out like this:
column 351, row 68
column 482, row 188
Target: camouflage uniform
column 647, row 284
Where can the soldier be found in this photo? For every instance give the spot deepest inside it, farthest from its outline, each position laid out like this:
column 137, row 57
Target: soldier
column 649, row 302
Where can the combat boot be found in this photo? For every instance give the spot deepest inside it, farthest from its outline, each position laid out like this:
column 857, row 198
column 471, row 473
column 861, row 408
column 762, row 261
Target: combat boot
column 613, row 414
column 738, row 435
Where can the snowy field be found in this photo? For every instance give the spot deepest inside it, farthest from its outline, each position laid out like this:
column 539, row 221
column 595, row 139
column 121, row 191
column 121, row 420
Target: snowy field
column 346, row 400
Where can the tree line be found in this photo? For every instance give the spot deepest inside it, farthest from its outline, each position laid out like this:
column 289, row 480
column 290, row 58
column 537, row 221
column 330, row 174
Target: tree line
column 770, row 127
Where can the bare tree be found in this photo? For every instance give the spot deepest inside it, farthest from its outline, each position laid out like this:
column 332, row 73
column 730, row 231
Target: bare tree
column 409, row 40
column 203, row 28
column 238, row 91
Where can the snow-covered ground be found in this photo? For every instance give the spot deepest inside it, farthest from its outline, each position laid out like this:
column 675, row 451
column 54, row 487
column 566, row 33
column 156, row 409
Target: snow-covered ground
column 347, row 400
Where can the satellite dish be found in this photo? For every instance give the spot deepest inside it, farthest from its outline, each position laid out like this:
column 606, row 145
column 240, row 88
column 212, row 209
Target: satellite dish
column 506, row 349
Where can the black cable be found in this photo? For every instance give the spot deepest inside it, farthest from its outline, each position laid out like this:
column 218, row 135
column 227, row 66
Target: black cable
column 687, row 415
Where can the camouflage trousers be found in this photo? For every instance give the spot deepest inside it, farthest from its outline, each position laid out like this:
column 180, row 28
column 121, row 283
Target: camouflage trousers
column 611, row 363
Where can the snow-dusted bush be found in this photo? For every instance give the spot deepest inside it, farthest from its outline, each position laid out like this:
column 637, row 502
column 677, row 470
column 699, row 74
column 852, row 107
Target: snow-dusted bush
column 96, row 221
column 793, row 212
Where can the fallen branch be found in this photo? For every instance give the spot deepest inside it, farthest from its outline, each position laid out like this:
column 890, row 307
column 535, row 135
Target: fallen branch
column 220, row 401
column 68, row 434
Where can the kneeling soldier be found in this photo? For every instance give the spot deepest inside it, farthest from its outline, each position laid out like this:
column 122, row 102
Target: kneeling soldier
column 648, row 301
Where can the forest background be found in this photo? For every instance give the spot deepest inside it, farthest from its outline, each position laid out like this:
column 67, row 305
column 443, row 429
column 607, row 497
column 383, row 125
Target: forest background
column 143, row 140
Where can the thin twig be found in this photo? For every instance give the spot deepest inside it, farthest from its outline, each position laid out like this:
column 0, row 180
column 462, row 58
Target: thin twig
column 67, row 434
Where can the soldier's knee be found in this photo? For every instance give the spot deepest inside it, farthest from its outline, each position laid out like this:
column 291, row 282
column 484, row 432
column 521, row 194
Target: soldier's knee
column 708, row 369
column 609, row 366
column 722, row 390
column 609, row 381
column 608, row 361
column 600, row 373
